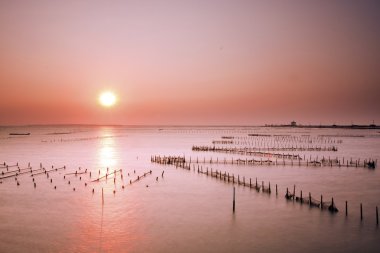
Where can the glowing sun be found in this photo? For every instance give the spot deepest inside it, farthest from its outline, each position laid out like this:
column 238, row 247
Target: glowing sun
column 107, row 99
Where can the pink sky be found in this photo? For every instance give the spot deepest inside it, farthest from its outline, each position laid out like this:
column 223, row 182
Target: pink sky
column 190, row 62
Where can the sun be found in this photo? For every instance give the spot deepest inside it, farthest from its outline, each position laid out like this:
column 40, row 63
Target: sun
column 107, row 99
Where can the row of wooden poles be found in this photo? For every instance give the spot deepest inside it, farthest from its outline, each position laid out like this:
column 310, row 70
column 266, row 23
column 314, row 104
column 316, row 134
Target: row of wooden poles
column 29, row 170
column 265, row 140
column 268, row 143
column 324, row 161
column 226, row 177
column 282, row 162
column 130, row 181
column 286, row 138
column 179, row 162
column 273, row 143
column 247, row 150
column 107, row 175
column 290, row 138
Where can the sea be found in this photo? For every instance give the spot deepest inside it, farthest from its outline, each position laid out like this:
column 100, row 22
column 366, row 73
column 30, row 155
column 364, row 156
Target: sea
column 49, row 202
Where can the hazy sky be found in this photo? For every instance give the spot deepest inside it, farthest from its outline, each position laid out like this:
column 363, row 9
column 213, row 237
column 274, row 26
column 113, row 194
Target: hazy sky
column 190, row 62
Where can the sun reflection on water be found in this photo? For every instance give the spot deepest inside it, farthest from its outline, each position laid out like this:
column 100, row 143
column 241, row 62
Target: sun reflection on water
column 107, row 157
column 107, row 154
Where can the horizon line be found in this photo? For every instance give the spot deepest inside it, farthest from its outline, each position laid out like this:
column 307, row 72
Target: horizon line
column 195, row 125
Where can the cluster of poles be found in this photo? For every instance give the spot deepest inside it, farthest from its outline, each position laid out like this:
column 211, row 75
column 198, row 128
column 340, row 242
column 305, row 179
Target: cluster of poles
column 14, row 171
column 280, row 141
column 244, row 151
column 311, row 201
column 180, row 162
column 287, row 138
column 261, row 149
column 224, row 142
column 9, row 171
column 255, row 149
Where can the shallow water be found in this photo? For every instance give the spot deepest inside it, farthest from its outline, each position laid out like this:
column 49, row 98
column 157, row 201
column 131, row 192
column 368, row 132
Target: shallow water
column 184, row 211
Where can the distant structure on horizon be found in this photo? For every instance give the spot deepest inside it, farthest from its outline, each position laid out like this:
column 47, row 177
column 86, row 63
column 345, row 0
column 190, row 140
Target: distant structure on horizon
column 352, row 126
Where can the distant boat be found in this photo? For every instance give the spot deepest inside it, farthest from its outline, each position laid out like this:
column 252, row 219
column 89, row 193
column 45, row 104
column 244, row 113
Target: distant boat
column 19, row 133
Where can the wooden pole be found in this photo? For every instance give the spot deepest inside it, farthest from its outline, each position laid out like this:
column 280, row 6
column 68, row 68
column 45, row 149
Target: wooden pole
column 276, row 190
column 321, row 201
column 294, row 192
column 346, row 209
column 233, row 202
column 309, row 199
column 102, row 197
column 361, row 211
column 377, row 216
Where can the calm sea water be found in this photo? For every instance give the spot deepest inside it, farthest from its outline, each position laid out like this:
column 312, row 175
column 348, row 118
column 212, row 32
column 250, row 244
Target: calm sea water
column 183, row 211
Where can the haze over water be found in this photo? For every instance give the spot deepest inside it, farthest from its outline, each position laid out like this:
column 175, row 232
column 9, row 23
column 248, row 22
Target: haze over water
column 183, row 211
